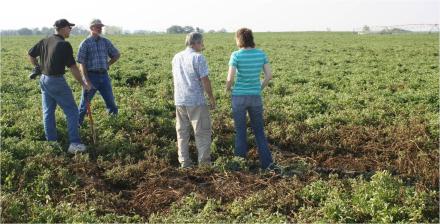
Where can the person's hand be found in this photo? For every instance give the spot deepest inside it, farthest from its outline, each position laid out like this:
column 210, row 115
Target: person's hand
column 36, row 71
column 228, row 92
column 87, row 85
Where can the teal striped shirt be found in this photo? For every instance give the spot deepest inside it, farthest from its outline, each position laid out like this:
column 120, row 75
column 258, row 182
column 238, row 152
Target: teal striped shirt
column 249, row 63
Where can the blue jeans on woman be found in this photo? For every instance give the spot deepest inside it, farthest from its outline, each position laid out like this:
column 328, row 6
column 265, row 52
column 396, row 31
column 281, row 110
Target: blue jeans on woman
column 55, row 91
column 101, row 82
column 254, row 106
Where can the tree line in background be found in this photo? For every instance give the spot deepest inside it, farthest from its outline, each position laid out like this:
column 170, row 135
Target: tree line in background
column 77, row 30
column 189, row 29
column 108, row 30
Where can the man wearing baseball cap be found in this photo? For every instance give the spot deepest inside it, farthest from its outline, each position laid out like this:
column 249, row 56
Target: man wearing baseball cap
column 54, row 55
column 96, row 54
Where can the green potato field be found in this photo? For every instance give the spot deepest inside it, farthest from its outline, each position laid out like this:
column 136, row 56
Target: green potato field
column 353, row 119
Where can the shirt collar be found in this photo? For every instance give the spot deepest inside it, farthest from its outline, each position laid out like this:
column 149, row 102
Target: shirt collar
column 96, row 38
column 190, row 49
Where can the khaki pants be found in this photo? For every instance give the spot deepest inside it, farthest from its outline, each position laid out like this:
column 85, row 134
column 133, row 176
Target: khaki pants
column 197, row 117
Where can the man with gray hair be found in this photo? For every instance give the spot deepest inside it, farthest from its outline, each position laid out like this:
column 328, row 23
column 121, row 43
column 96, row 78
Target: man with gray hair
column 96, row 54
column 190, row 77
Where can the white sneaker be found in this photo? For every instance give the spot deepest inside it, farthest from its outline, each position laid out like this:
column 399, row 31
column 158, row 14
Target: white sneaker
column 76, row 147
column 186, row 165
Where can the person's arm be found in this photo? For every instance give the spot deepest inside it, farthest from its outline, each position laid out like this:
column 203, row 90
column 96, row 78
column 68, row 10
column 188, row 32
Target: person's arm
column 267, row 75
column 34, row 53
column 114, row 59
column 84, row 71
column 33, row 61
column 113, row 53
column 207, row 87
column 77, row 75
column 82, row 59
column 201, row 68
column 230, row 79
column 71, row 64
column 85, row 74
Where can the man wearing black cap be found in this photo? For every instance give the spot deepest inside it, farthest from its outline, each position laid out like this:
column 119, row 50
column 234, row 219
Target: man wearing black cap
column 96, row 54
column 55, row 54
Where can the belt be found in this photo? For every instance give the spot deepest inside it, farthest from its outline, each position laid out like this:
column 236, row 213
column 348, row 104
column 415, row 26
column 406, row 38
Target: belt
column 58, row 75
column 98, row 71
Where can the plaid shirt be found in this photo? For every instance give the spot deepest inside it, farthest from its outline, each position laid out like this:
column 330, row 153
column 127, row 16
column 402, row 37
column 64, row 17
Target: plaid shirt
column 94, row 52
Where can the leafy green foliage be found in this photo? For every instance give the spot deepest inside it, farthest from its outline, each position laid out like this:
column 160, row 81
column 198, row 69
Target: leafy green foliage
column 381, row 199
column 338, row 102
column 231, row 164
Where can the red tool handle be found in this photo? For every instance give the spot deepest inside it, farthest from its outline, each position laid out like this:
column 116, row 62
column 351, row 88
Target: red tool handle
column 89, row 114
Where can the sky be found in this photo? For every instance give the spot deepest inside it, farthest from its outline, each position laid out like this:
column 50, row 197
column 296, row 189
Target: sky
column 259, row 15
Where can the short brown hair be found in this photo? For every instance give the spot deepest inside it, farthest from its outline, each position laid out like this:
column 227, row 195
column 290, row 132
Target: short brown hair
column 245, row 38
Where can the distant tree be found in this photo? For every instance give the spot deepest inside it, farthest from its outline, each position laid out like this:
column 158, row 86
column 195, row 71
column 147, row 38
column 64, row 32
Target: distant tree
column 175, row 29
column 140, row 32
column 222, row 30
column 36, row 31
column 185, row 29
column 188, row 29
column 9, row 32
column 79, row 30
column 365, row 29
column 24, row 31
column 211, row 31
column 144, row 32
column 76, row 30
column 113, row 30
column 47, row 31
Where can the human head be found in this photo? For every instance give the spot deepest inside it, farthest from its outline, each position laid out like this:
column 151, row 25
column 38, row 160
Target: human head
column 195, row 41
column 96, row 27
column 244, row 38
column 63, row 27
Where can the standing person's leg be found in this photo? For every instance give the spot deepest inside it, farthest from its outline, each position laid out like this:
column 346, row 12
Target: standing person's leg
column 49, row 106
column 107, row 94
column 257, row 124
column 183, row 132
column 89, row 94
column 239, row 115
column 201, row 123
column 66, row 101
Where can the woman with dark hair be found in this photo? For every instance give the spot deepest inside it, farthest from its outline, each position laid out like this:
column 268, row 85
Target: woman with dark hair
column 245, row 66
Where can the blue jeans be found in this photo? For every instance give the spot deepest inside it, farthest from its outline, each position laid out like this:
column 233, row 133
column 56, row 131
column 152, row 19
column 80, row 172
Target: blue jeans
column 254, row 106
column 101, row 83
column 55, row 91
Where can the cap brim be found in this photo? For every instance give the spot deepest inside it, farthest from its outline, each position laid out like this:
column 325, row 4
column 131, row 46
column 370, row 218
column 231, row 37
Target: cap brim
column 71, row 24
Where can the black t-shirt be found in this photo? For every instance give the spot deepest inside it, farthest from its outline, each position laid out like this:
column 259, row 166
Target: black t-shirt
column 55, row 54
